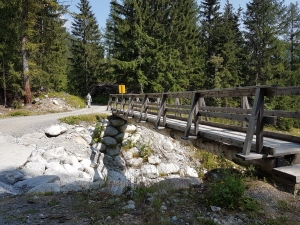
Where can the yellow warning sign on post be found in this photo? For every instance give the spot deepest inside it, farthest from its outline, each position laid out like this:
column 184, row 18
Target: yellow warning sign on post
column 122, row 89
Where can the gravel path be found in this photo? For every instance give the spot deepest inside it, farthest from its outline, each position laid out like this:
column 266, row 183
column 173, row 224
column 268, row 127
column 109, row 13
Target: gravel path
column 17, row 126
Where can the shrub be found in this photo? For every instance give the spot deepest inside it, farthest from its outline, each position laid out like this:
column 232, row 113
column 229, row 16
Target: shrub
column 227, row 191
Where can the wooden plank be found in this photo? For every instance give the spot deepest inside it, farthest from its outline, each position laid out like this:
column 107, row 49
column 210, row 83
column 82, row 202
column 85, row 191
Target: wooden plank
column 281, row 113
column 226, row 110
column 238, row 117
column 177, row 111
column 284, row 137
column 252, row 156
column 291, row 173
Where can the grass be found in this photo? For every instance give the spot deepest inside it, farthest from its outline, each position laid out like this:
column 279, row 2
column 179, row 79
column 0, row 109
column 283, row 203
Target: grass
column 89, row 119
column 73, row 101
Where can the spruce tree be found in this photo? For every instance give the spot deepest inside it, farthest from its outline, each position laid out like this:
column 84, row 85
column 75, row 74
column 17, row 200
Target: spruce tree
column 154, row 44
column 262, row 22
column 211, row 24
column 86, row 49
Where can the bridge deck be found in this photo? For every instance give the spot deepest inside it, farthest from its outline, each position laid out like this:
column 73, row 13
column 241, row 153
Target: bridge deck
column 275, row 147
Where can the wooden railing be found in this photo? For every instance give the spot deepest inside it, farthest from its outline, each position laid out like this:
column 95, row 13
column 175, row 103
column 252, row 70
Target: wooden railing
column 195, row 112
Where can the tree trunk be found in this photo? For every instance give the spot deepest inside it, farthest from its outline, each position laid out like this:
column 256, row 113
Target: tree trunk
column 25, row 60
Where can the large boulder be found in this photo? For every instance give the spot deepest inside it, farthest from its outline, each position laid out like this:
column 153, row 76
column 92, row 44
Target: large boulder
column 55, row 130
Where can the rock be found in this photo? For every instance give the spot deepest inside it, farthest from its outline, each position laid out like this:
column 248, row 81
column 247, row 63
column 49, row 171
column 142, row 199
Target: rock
column 55, row 130
column 127, row 128
column 191, row 172
column 7, row 190
column 117, row 122
column 70, row 187
column 135, row 162
column 54, row 168
column 110, row 131
column 45, row 188
column 167, row 168
column 80, row 140
column 149, row 171
column 108, row 141
column 121, row 137
column 131, row 205
column 54, row 154
column 99, row 147
column 113, row 150
column 13, row 176
column 35, row 181
column 154, row 160
column 55, row 102
column 33, row 169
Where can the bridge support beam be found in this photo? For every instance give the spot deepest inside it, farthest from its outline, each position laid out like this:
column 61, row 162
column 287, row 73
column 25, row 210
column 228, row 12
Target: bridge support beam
column 256, row 120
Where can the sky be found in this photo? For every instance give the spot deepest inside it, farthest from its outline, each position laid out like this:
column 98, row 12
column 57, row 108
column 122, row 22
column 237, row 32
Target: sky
column 101, row 8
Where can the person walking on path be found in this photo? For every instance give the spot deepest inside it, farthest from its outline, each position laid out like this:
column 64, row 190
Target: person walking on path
column 89, row 100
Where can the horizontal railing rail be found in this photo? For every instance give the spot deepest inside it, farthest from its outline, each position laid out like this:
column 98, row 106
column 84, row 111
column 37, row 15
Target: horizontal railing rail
column 194, row 112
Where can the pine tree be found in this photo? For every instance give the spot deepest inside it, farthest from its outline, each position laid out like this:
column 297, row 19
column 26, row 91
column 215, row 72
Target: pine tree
column 263, row 29
column 154, row 44
column 211, row 24
column 87, row 51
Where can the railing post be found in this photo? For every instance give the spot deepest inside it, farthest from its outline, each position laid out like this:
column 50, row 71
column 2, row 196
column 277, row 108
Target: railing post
column 161, row 111
column 129, row 106
column 116, row 102
column 202, row 104
column 109, row 103
column 191, row 114
column 177, row 103
column 122, row 104
column 256, row 120
column 244, row 105
column 144, row 107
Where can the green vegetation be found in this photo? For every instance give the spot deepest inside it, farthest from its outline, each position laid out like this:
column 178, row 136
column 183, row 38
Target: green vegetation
column 89, row 119
column 73, row 101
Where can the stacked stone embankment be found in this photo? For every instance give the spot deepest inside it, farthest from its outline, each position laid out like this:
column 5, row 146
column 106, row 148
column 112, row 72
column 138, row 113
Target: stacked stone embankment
column 109, row 156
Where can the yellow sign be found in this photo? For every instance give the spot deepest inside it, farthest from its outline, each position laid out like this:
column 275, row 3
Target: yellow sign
column 122, row 89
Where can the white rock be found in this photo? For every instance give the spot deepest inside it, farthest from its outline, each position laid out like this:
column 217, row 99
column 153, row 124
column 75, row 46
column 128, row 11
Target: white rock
column 153, row 159
column 127, row 128
column 70, row 187
column 55, row 130
column 45, row 188
column 80, row 140
column 54, row 154
column 55, row 102
column 35, row 181
column 33, row 169
column 54, row 168
column 135, row 138
column 135, row 162
column 167, row 168
column 168, row 146
column 191, row 172
column 149, row 171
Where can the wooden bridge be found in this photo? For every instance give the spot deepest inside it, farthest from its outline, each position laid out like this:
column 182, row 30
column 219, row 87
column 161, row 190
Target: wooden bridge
column 188, row 112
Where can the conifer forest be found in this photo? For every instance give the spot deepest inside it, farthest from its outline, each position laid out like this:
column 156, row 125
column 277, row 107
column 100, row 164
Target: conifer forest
column 150, row 46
